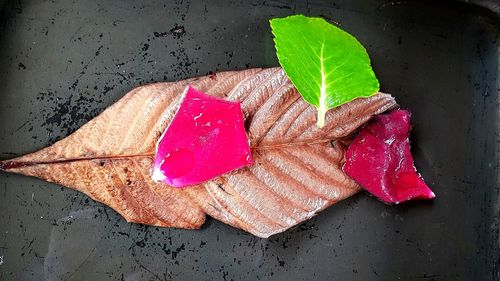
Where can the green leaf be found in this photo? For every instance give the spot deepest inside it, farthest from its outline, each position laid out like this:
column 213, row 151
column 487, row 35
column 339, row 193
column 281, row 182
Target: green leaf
column 327, row 65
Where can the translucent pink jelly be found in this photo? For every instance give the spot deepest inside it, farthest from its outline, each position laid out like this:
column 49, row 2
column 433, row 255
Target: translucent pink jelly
column 206, row 139
column 379, row 159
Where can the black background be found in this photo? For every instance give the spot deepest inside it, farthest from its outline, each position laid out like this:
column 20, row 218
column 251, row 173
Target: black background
column 63, row 62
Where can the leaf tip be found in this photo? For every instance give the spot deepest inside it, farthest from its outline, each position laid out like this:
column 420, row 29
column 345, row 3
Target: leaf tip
column 7, row 165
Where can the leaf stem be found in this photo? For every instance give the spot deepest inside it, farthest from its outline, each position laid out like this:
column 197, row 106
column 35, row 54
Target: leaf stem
column 321, row 117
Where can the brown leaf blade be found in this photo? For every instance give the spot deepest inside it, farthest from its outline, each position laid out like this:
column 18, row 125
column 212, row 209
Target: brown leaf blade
column 298, row 170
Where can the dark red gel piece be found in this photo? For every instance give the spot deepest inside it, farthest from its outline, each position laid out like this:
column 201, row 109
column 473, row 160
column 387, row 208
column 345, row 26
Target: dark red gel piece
column 206, row 139
column 379, row 159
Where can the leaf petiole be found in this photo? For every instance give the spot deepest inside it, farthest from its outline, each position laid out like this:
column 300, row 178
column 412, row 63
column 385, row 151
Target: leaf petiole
column 321, row 116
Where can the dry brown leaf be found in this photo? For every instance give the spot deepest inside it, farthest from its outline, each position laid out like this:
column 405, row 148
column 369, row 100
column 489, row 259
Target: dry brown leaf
column 297, row 170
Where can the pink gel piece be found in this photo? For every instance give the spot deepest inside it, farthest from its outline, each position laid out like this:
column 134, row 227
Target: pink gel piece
column 379, row 159
column 205, row 139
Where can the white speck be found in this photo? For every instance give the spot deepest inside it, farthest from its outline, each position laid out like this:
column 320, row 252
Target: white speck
column 1, row 260
column 41, row 217
column 32, row 196
column 158, row 175
column 384, row 214
column 390, row 141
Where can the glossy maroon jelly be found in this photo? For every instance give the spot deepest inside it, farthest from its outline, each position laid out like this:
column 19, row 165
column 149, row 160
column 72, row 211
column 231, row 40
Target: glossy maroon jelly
column 205, row 139
column 379, row 159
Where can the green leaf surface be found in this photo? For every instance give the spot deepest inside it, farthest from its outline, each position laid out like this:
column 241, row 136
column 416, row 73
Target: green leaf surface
column 327, row 65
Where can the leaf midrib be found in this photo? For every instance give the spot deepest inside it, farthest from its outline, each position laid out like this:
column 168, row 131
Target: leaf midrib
column 7, row 165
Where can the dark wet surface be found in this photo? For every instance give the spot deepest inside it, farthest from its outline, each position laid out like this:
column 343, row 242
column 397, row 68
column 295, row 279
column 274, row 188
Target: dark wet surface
column 63, row 62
